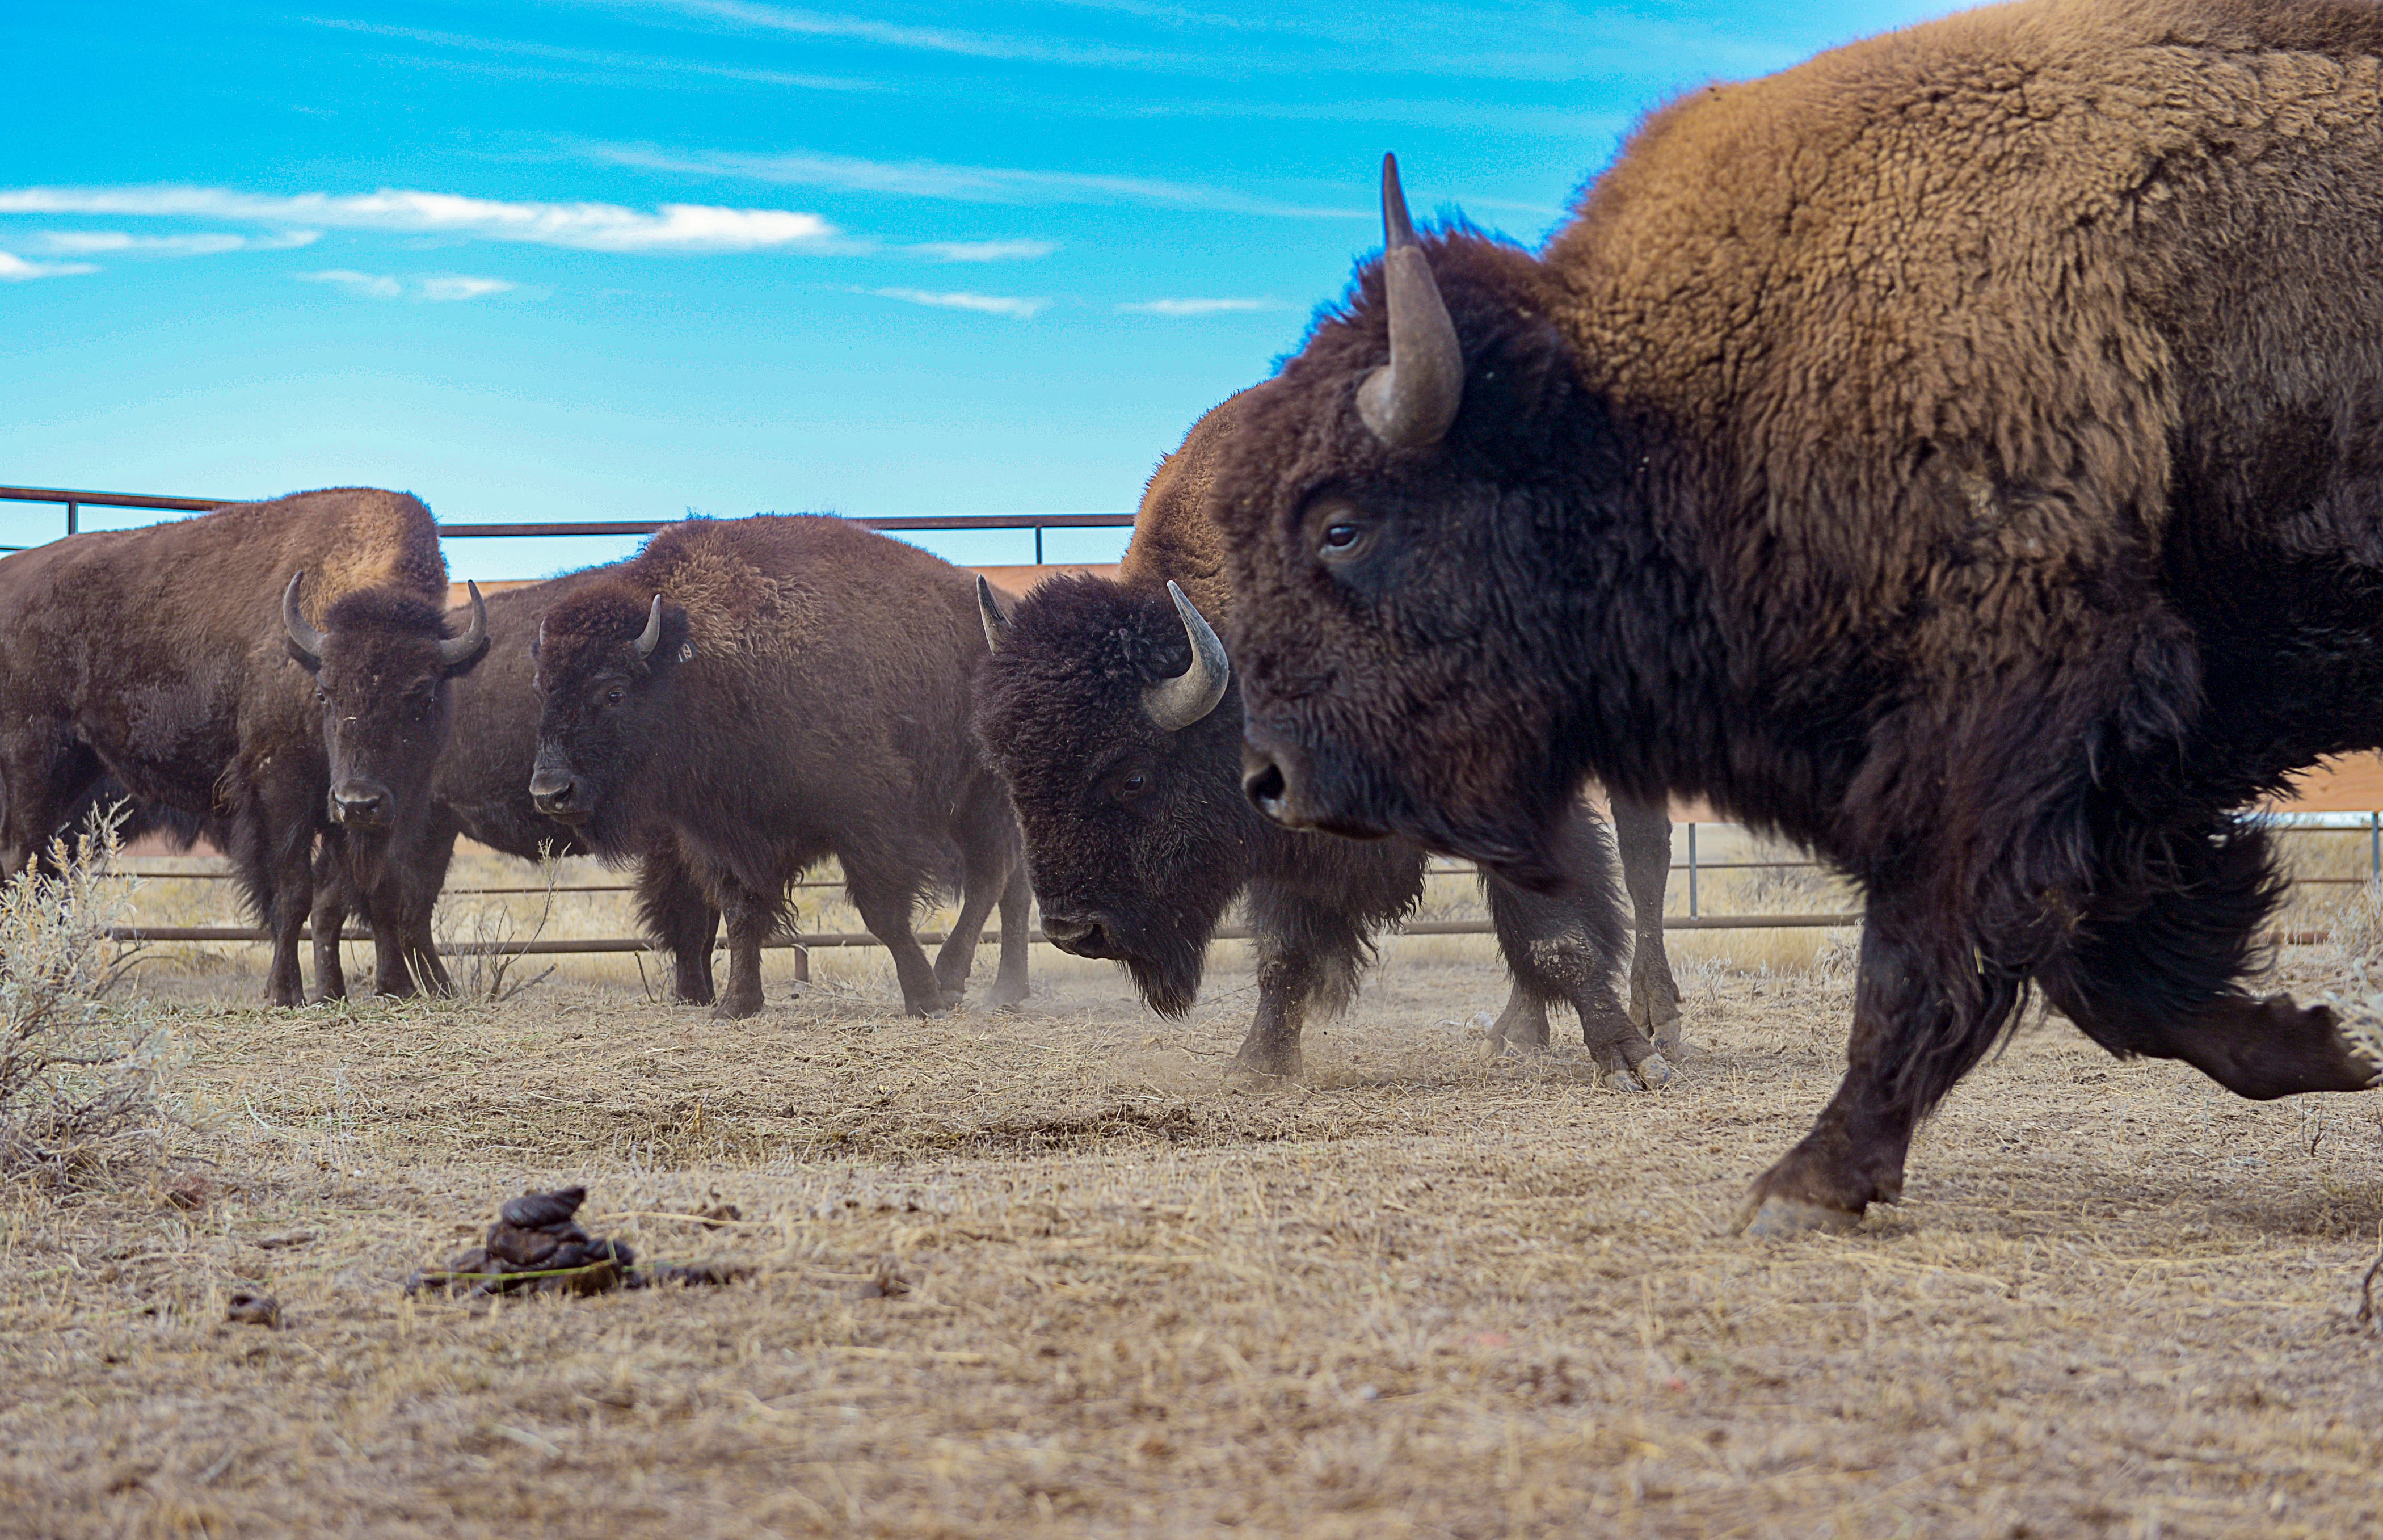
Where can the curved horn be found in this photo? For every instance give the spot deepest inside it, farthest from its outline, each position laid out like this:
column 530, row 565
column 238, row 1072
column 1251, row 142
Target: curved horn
column 455, row 651
column 302, row 635
column 652, row 634
column 1175, row 703
column 1410, row 401
column 996, row 624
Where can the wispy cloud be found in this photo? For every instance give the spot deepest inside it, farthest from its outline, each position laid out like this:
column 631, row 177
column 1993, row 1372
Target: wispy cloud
column 747, row 15
column 988, row 305
column 16, row 269
column 96, row 242
column 379, row 285
column 438, row 287
column 587, row 227
column 983, row 250
column 458, row 286
column 974, row 184
column 1197, row 307
column 599, row 58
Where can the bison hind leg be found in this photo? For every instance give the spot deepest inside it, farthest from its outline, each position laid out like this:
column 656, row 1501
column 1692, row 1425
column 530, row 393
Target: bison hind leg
column 2161, row 979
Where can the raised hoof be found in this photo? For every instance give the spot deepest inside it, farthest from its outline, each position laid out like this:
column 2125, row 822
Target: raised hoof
column 1781, row 1218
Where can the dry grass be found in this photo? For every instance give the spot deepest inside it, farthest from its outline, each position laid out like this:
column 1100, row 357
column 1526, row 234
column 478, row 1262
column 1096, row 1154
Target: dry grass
column 1417, row 1294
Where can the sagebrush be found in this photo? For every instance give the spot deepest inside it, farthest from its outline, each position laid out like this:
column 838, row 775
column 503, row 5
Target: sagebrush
column 84, row 1081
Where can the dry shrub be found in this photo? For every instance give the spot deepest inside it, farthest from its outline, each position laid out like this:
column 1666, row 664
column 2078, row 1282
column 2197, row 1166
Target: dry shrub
column 483, row 941
column 2358, row 943
column 84, row 1082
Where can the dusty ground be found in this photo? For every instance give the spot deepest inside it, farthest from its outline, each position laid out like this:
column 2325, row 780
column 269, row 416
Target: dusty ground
column 1043, row 1272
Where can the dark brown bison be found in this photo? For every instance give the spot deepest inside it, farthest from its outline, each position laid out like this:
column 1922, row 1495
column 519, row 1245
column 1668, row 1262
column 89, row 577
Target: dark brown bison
column 761, row 693
column 162, row 658
column 480, row 789
column 1109, row 708
column 1961, row 453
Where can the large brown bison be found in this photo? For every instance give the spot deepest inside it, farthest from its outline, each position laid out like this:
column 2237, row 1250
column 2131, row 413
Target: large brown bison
column 1961, row 453
column 480, row 789
column 164, row 658
column 1109, row 708
column 761, row 693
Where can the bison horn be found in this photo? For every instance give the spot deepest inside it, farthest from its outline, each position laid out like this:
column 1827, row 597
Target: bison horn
column 1410, row 401
column 1175, row 703
column 456, row 651
column 996, row 624
column 302, row 635
column 651, row 637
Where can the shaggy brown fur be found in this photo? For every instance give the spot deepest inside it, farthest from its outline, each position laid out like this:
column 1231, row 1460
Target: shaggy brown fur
column 808, row 696
column 1960, row 452
column 158, row 657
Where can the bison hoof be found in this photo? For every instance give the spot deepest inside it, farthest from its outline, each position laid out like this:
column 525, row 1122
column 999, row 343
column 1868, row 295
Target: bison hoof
column 1653, row 1071
column 1262, row 1072
column 1001, row 997
column 1781, row 1218
column 736, row 1010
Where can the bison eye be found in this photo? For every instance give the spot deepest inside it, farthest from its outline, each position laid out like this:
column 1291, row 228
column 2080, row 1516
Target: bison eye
column 1134, row 785
column 1343, row 541
column 614, row 696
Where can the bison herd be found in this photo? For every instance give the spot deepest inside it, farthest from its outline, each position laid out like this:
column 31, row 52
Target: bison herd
column 1960, row 453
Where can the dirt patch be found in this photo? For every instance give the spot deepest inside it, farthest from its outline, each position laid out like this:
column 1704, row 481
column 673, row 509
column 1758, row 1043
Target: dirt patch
column 1046, row 1272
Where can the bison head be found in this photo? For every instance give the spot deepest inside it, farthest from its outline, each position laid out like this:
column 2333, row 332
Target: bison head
column 1108, row 709
column 1404, row 509
column 381, row 664
column 607, row 658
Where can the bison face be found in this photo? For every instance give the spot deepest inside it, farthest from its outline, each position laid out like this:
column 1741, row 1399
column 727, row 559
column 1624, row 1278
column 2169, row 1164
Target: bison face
column 381, row 669
column 606, row 663
column 1120, row 743
column 1402, row 509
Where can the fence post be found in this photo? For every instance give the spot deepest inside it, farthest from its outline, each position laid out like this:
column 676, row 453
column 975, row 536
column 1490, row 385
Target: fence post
column 1038, row 545
column 1692, row 870
column 2375, row 847
column 72, row 510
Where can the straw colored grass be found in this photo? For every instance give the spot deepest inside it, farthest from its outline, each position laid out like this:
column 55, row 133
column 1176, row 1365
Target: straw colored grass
column 1417, row 1294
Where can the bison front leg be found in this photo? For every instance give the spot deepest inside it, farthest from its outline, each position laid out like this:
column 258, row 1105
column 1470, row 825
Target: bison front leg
column 749, row 920
column 675, row 912
column 1009, row 984
column 885, row 905
column 329, row 918
column 1923, row 1017
column 1568, row 947
column 1642, row 831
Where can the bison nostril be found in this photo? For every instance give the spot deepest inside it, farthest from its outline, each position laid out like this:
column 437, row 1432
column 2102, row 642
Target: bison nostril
column 1265, row 787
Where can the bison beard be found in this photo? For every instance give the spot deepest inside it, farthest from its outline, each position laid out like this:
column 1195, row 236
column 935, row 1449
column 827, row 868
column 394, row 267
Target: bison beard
column 1999, row 569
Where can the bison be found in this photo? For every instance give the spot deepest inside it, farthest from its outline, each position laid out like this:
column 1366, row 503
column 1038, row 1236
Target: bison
column 761, row 693
column 480, row 789
column 1960, row 453
column 1110, row 710
column 162, row 658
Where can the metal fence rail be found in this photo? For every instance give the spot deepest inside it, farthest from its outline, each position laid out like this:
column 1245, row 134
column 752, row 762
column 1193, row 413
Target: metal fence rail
column 73, row 502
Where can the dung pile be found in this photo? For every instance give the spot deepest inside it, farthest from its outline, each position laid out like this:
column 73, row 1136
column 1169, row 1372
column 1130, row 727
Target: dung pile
column 537, row 1247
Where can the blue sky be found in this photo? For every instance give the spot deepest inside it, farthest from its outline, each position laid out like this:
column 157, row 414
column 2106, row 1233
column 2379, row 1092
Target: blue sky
column 558, row 260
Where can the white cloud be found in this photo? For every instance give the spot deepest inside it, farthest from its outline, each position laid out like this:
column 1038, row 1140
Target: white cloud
column 1196, row 307
column 455, row 286
column 973, row 184
column 436, row 287
column 633, row 65
column 380, row 286
column 983, row 250
column 801, row 23
column 92, row 242
column 16, row 269
column 988, row 304
column 585, row 227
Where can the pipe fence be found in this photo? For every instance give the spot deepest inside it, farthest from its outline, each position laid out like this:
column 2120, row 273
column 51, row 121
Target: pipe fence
column 71, row 503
